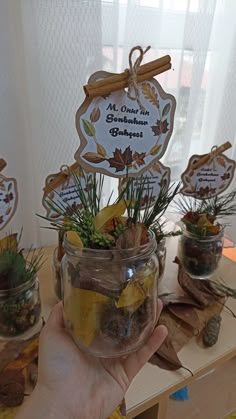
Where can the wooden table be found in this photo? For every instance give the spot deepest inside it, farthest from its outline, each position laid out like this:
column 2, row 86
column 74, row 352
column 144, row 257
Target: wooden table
column 149, row 393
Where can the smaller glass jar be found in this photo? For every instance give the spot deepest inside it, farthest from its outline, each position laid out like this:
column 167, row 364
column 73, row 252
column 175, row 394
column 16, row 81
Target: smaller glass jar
column 110, row 297
column 161, row 255
column 200, row 256
column 20, row 309
column 56, row 267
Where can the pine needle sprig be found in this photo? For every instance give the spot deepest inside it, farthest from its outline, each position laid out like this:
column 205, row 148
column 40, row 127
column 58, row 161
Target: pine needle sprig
column 220, row 206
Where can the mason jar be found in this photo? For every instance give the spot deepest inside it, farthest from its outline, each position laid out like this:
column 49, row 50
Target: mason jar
column 20, row 309
column 161, row 255
column 56, row 268
column 200, row 255
column 110, row 297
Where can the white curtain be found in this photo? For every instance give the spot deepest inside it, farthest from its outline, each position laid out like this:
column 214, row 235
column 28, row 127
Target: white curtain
column 48, row 49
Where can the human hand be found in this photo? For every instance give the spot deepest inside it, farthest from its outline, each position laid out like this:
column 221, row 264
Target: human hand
column 73, row 384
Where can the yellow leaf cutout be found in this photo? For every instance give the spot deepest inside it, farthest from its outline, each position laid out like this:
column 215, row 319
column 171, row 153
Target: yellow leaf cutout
column 83, row 309
column 107, row 213
column 9, row 242
column 135, row 292
column 154, row 150
column 74, row 239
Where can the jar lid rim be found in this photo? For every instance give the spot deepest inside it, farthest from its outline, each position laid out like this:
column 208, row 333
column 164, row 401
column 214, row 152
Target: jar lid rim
column 14, row 291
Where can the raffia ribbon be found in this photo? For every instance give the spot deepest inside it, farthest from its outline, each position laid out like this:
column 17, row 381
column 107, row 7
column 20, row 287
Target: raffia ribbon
column 133, row 70
column 65, row 171
column 209, row 158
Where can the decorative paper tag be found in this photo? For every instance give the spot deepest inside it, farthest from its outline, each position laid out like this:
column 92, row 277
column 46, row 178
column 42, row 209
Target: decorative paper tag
column 65, row 193
column 157, row 177
column 208, row 179
column 8, row 197
column 117, row 137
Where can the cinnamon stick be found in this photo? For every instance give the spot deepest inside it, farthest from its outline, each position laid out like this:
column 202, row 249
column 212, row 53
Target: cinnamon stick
column 3, row 164
column 60, row 179
column 120, row 81
column 216, row 152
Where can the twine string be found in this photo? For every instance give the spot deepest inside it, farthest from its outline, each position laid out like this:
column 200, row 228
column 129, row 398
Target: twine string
column 212, row 155
column 133, row 91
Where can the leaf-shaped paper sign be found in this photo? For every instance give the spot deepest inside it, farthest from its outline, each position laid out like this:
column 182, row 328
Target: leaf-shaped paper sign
column 157, row 177
column 209, row 179
column 117, row 137
column 65, row 194
column 8, row 200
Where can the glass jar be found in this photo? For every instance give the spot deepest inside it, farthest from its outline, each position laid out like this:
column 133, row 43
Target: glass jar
column 20, row 309
column 200, row 255
column 161, row 255
column 56, row 267
column 110, row 297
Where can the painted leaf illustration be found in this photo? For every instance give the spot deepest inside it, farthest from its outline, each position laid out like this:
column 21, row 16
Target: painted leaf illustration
column 156, row 167
column 221, row 161
column 166, row 109
column 101, row 150
column 166, row 357
column 161, row 127
column 121, row 159
column 139, row 158
column 229, row 168
column 155, row 149
column 82, row 310
column 9, row 187
column 8, row 211
column 93, row 157
column 150, row 94
column 95, row 115
column 2, row 187
column 185, row 313
column 88, row 128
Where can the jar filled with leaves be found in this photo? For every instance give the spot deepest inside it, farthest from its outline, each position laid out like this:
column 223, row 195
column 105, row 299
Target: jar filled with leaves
column 201, row 244
column 20, row 305
column 110, row 268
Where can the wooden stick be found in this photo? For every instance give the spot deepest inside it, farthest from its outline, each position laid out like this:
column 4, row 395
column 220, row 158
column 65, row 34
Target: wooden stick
column 216, row 152
column 60, row 179
column 120, row 81
column 3, row 164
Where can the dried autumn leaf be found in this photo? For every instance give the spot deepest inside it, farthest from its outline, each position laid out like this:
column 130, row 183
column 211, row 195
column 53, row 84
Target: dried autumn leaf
column 166, row 109
column 11, row 394
column 135, row 293
column 132, row 237
column 186, row 314
column 121, row 160
column 139, row 158
column 83, row 309
column 155, row 149
column 166, row 357
column 150, row 94
column 93, row 157
column 95, row 115
column 101, row 150
column 9, row 242
column 221, row 161
column 109, row 212
column 161, row 127
column 179, row 299
column 74, row 238
column 88, row 128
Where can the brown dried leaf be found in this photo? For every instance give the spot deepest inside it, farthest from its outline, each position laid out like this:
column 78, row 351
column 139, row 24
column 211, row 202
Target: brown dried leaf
column 93, row 157
column 95, row 115
column 150, row 94
column 11, row 394
column 132, row 237
column 186, row 314
column 179, row 299
column 166, row 357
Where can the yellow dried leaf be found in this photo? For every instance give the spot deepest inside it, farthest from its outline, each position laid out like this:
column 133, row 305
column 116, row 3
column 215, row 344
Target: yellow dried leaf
column 83, row 309
column 154, row 150
column 9, row 242
column 74, row 239
column 107, row 213
column 135, row 292
column 101, row 150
